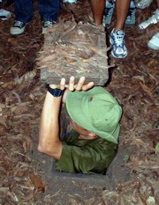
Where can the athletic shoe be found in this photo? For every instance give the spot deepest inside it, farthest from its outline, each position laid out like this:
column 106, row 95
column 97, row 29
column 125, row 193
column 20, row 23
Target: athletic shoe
column 108, row 13
column 131, row 17
column 17, row 28
column 154, row 42
column 4, row 14
column 46, row 25
column 143, row 4
column 117, row 42
column 70, row 1
column 152, row 20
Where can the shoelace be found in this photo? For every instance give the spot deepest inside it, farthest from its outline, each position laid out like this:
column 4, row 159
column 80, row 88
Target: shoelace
column 18, row 23
column 119, row 39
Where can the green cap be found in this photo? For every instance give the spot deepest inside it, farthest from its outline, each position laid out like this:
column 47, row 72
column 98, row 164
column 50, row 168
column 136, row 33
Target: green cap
column 97, row 111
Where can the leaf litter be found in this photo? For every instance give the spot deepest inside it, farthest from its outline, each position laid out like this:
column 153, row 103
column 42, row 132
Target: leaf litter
column 135, row 83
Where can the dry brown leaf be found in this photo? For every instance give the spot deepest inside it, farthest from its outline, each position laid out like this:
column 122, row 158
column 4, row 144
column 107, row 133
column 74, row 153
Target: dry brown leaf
column 37, row 181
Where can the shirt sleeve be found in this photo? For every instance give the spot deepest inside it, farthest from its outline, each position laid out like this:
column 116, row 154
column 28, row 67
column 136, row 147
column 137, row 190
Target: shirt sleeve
column 87, row 159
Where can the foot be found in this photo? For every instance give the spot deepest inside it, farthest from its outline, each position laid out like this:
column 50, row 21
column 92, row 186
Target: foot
column 143, row 4
column 46, row 25
column 154, row 42
column 131, row 16
column 117, row 42
column 108, row 13
column 4, row 14
column 17, row 28
column 70, row 1
column 152, row 20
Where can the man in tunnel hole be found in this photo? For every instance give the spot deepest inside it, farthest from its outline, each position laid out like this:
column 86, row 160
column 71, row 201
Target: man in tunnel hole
column 94, row 116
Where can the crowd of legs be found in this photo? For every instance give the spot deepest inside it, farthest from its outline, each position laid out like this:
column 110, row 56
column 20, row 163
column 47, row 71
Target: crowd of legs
column 102, row 14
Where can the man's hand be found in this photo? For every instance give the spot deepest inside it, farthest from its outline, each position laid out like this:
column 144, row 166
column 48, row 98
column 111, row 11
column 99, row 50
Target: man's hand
column 72, row 86
column 80, row 86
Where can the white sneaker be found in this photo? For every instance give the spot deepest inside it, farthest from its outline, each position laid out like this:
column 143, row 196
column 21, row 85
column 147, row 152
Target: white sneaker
column 152, row 20
column 154, row 42
column 70, row 1
column 117, row 41
column 4, row 14
column 18, row 28
column 46, row 25
column 143, row 4
column 131, row 16
column 108, row 13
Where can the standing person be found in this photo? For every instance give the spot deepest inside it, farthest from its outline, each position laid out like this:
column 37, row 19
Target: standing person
column 153, row 43
column 117, row 36
column 24, row 10
column 94, row 116
column 154, row 19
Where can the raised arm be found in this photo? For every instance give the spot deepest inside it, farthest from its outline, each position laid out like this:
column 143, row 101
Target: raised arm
column 49, row 141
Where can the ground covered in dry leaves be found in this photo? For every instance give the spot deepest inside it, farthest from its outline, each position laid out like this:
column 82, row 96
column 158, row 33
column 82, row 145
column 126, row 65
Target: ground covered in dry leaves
column 134, row 81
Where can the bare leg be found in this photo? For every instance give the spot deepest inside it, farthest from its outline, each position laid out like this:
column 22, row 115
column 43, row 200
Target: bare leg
column 122, row 7
column 117, row 41
column 98, row 9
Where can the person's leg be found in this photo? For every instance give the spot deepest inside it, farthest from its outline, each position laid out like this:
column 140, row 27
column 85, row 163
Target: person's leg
column 131, row 16
column 117, row 36
column 23, row 10
column 23, row 14
column 153, row 43
column 154, row 19
column 49, row 9
column 122, row 7
column 108, row 13
column 98, row 10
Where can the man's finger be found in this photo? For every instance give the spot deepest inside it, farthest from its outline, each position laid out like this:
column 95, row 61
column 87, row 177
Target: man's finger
column 62, row 83
column 71, row 83
column 80, row 83
column 88, row 86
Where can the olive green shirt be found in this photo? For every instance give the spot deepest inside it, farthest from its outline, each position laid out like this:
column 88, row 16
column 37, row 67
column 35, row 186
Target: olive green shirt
column 85, row 156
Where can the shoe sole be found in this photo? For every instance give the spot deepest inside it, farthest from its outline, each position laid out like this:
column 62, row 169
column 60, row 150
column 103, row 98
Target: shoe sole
column 15, row 33
column 152, row 46
column 118, row 56
column 142, row 27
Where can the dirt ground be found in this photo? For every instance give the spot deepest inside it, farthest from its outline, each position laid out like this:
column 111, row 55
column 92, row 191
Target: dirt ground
column 26, row 176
